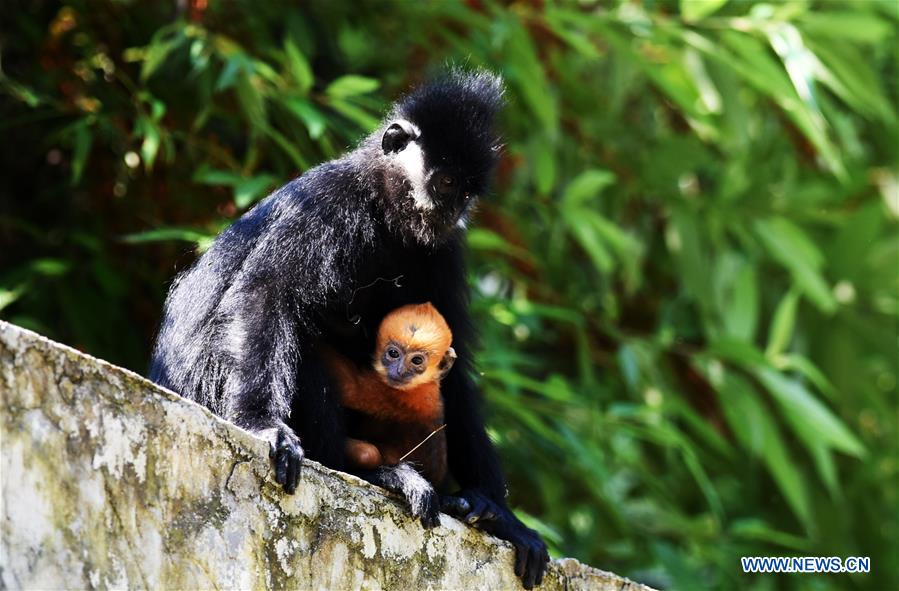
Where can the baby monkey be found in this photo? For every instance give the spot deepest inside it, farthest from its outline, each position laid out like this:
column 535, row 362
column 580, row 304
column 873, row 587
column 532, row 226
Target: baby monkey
column 395, row 409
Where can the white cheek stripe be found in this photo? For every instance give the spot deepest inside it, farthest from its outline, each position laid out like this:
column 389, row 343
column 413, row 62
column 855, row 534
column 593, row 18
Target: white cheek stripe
column 412, row 160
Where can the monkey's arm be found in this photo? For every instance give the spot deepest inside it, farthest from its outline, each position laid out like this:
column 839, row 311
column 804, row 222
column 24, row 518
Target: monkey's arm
column 270, row 321
column 259, row 389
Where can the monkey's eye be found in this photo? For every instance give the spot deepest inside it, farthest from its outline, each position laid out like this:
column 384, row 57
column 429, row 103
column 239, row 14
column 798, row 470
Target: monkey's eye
column 445, row 184
column 418, row 359
column 393, row 353
column 467, row 195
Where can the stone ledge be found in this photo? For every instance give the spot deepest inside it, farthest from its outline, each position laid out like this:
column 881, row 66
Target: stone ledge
column 111, row 481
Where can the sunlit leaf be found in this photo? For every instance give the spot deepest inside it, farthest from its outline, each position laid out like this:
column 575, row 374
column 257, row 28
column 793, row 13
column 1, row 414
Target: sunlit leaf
column 168, row 234
column 759, row 434
column 312, row 118
column 249, row 190
column 83, row 138
column 50, row 267
column 694, row 10
column 782, row 324
column 808, row 413
column 788, row 244
column 157, row 52
column 586, row 186
column 351, row 85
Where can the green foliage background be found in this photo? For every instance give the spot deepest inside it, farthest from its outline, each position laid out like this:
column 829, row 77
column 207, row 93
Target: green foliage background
column 686, row 277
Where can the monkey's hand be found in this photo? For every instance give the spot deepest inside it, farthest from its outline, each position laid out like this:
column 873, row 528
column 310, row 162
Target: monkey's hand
column 477, row 509
column 424, row 502
column 286, row 454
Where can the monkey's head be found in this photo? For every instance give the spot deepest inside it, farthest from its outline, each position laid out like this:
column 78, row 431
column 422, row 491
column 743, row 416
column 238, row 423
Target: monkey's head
column 438, row 149
column 413, row 347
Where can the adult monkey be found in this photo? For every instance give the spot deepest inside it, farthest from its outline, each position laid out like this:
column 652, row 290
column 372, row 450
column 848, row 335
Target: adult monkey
column 320, row 262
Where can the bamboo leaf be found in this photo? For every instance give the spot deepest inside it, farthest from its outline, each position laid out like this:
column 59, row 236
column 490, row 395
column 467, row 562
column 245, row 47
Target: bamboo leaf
column 351, row 85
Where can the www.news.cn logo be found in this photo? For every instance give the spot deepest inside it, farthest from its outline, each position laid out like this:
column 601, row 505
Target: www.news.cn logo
column 805, row 564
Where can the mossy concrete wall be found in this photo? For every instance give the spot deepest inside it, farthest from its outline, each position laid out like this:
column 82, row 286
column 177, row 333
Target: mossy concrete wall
column 111, row 482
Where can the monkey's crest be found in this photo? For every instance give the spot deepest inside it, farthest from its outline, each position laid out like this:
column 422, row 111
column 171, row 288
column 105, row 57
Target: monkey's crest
column 417, row 326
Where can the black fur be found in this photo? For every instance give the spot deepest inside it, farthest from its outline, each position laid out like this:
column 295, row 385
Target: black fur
column 323, row 260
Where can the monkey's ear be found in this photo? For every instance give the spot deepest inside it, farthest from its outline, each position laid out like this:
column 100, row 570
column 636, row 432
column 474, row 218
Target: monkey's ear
column 398, row 136
column 446, row 363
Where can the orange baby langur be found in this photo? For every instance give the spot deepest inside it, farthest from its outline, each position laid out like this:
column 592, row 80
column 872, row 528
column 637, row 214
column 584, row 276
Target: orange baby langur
column 396, row 404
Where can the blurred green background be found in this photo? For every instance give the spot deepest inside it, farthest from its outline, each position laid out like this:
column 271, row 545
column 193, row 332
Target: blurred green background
column 686, row 275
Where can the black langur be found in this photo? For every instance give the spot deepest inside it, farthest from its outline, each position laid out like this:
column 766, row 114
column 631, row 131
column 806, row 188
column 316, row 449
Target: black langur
column 319, row 263
column 395, row 412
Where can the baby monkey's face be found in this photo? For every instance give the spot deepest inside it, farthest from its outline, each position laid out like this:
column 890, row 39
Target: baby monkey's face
column 404, row 367
column 413, row 347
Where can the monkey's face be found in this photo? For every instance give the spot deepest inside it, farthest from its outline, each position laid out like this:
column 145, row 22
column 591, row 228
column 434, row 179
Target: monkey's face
column 405, row 368
column 441, row 149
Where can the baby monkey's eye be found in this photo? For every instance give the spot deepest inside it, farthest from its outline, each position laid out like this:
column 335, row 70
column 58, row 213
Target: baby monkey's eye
column 447, row 180
column 418, row 359
column 393, row 353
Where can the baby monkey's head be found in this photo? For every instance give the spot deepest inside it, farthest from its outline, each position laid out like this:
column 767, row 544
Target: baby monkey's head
column 413, row 347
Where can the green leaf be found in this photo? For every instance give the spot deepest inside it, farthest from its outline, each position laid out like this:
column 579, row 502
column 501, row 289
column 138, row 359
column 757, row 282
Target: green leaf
column 49, row 267
column 807, row 369
column 487, row 240
column 526, row 73
column 287, row 146
column 856, row 26
column 311, row 117
column 782, row 324
column 249, row 190
column 169, row 234
column 754, row 428
column 150, row 145
column 20, row 92
column 9, row 296
column 737, row 291
column 365, row 121
column 692, row 257
column 738, row 351
column 544, row 165
column 228, row 76
column 756, row 529
column 749, row 58
column 157, row 52
column 586, row 186
column 808, row 414
column 694, row 10
column 246, row 189
column 251, row 99
column 299, row 67
column 351, row 85
column 209, row 176
column 586, row 235
column 81, row 149
column 788, row 245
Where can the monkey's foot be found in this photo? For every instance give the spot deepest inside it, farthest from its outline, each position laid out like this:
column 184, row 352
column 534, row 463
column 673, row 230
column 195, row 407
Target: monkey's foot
column 470, row 507
column 286, row 454
column 477, row 509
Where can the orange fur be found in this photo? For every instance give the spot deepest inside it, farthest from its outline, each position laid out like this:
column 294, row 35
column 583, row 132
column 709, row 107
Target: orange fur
column 368, row 394
column 399, row 417
column 420, row 327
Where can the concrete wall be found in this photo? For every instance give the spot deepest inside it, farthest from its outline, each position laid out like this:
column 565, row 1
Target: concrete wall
column 110, row 481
